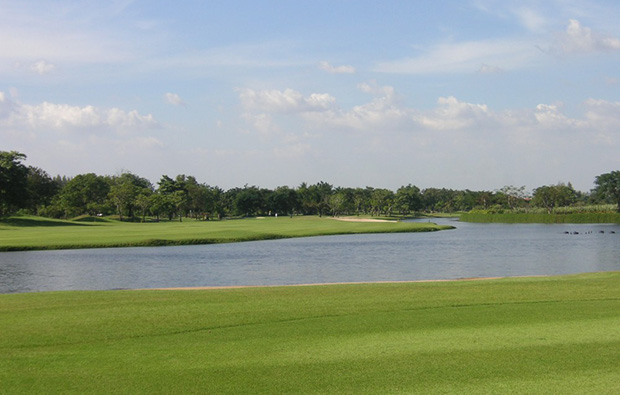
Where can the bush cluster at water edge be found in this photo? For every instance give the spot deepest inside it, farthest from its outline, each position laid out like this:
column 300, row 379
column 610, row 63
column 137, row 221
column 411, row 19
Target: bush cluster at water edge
column 574, row 218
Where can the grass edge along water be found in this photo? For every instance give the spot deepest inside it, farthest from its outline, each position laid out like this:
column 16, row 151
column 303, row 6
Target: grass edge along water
column 35, row 233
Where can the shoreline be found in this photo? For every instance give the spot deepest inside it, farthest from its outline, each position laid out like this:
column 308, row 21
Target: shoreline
column 353, row 219
column 464, row 279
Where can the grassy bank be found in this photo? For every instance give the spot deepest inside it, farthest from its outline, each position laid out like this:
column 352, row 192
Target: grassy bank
column 573, row 218
column 34, row 233
column 525, row 335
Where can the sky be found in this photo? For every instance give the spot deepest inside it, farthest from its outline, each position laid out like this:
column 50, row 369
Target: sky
column 462, row 94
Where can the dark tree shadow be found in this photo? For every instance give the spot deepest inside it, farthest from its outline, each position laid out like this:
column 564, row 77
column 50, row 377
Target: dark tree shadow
column 32, row 222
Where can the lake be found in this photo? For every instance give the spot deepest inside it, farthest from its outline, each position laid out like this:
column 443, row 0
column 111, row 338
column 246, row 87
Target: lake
column 471, row 250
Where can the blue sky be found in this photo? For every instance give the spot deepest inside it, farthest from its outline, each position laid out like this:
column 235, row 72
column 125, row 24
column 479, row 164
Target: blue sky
column 456, row 94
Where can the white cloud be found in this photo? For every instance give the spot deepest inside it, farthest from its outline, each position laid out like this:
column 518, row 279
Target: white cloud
column 66, row 118
column 531, row 19
column 581, row 39
column 262, row 123
column 42, row 67
column 453, row 114
column 604, row 115
column 374, row 89
column 488, row 69
column 287, row 101
column 465, row 57
column 262, row 55
column 66, row 139
column 383, row 111
column 174, row 99
column 550, row 116
column 344, row 69
column 42, row 35
column 19, row 44
column 147, row 142
column 458, row 124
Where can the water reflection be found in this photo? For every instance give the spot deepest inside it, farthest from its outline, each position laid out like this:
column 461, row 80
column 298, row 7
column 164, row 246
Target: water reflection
column 471, row 250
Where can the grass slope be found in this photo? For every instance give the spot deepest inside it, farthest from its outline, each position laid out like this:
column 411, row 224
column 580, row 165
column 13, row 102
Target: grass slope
column 33, row 233
column 524, row 335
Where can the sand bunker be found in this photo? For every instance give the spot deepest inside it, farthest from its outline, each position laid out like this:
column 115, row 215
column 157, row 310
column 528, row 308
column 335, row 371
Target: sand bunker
column 354, row 219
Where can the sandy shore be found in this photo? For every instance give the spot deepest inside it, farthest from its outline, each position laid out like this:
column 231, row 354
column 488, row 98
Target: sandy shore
column 354, row 219
column 318, row 284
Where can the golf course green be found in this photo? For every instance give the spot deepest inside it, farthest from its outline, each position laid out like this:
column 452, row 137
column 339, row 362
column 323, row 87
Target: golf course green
column 546, row 335
column 36, row 233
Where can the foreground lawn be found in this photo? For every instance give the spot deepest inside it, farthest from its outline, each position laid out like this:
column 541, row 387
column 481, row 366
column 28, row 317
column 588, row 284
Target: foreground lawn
column 23, row 233
column 526, row 335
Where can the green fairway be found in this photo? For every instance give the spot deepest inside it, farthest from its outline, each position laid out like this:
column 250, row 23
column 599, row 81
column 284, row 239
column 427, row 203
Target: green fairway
column 23, row 233
column 523, row 335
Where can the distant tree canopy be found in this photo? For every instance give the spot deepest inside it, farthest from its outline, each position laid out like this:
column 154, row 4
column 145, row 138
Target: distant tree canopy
column 608, row 187
column 551, row 196
column 13, row 182
column 132, row 197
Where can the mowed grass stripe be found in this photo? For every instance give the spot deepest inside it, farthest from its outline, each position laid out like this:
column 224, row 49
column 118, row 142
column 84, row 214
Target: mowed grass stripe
column 528, row 335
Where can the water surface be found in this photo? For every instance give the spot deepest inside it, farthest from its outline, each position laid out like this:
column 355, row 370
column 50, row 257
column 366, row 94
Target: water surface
column 471, row 250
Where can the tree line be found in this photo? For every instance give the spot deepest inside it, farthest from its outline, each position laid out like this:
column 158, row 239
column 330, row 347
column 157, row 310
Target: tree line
column 31, row 190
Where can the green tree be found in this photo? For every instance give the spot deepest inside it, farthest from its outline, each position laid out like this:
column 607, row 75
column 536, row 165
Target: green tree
column 176, row 196
column 249, row 201
column 608, row 187
column 85, row 194
column 308, row 199
column 341, row 201
column 124, row 191
column 361, row 200
column 314, row 199
column 551, row 196
column 159, row 205
column 283, row 200
column 41, row 189
column 408, row 199
column 512, row 196
column 13, row 182
column 143, row 201
column 381, row 201
column 435, row 199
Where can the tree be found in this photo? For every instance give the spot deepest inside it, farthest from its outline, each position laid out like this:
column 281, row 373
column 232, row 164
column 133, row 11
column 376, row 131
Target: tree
column 176, row 200
column 408, row 199
column 340, row 201
column 41, row 189
column 249, row 201
column 434, row 199
column 513, row 196
column 381, row 201
column 85, row 194
column 361, row 200
column 196, row 197
column 283, row 200
column 143, row 201
column 551, row 196
column 158, row 204
column 314, row 199
column 124, row 191
column 308, row 198
column 13, row 182
column 608, row 187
